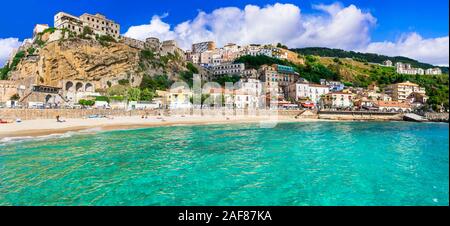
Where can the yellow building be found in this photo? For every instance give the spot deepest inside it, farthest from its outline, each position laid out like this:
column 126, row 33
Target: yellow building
column 401, row 91
column 176, row 98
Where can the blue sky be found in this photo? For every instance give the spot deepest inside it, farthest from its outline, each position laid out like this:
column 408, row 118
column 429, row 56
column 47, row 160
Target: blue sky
column 394, row 19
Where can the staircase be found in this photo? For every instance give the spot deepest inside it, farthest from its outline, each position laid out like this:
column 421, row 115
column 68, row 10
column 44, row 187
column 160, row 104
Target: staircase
column 414, row 118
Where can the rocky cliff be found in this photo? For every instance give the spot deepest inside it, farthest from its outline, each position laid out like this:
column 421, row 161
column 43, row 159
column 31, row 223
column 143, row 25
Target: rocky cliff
column 88, row 60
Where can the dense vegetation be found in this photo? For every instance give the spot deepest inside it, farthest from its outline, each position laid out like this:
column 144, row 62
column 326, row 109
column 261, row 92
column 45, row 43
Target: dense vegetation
column 159, row 82
column 312, row 71
column 363, row 57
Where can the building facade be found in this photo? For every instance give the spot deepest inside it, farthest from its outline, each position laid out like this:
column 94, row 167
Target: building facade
column 338, row 100
column 227, row 69
column 307, row 91
column 203, row 46
column 433, row 71
column 153, row 44
column 401, row 91
column 171, row 47
column 98, row 23
column 387, row 63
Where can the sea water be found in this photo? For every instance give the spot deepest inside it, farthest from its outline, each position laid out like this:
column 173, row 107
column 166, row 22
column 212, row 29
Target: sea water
column 293, row 164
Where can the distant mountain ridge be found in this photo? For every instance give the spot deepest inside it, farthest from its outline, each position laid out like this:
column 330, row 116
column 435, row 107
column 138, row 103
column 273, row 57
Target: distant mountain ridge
column 369, row 57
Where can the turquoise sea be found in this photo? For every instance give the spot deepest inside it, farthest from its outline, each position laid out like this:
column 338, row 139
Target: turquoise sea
column 294, row 164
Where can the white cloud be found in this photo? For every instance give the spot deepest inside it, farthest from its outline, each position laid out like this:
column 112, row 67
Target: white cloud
column 7, row 46
column 269, row 24
column 335, row 26
column 433, row 50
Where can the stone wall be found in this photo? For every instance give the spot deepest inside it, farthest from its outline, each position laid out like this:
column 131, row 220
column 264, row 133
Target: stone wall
column 437, row 117
column 357, row 116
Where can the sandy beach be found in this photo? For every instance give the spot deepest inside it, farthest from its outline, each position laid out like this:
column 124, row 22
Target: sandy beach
column 41, row 127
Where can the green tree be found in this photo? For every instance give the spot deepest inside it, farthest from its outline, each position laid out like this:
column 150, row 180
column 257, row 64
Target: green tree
column 134, row 94
column 117, row 90
column 146, row 95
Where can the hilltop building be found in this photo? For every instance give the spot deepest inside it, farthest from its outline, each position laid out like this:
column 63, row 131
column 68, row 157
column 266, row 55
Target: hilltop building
column 433, row 71
column 171, row 47
column 387, row 63
column 153, row 44
column 408, row 69
column 99, row 24
column 137, row 44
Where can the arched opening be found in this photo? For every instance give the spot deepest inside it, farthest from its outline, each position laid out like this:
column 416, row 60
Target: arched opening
column 79, row 87
column 89, row 87
column 69, row 86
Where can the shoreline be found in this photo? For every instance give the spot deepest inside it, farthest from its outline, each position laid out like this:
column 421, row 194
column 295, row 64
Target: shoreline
column 43, row 127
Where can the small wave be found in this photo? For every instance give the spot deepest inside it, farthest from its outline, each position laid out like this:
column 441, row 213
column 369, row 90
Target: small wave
column 9, row 140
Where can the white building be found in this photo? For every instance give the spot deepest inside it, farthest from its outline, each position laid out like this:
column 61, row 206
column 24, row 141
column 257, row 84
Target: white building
column 98, row 23
column 307, row 91
column 433, row 71
column 338, row 100
column 387, row 63
column 408, row 69
column 227, row 69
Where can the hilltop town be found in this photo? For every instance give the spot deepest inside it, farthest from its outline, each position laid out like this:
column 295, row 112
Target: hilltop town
column 84, row 62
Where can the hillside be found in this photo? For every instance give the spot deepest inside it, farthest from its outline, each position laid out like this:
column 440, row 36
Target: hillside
column 358, row 74
column 363, row 57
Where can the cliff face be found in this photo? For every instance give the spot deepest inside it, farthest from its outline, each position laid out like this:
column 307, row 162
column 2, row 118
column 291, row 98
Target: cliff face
column 88, row 61
column 77, row 59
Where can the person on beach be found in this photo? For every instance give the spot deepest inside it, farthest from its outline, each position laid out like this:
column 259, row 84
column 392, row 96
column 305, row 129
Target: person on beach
column 58, row 119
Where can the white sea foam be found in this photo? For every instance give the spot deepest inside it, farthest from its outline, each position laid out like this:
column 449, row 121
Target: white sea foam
column 9, row 140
